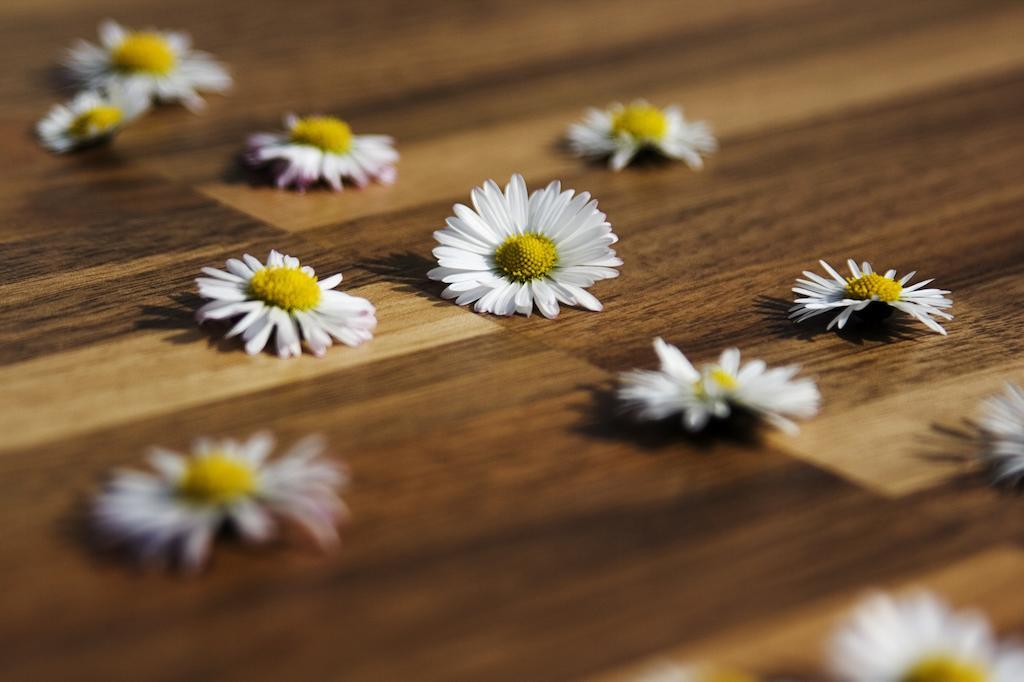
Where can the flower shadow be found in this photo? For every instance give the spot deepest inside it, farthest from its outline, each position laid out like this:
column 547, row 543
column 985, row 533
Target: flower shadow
column 408, row 270
column 78, row 528
column 237, row 172
column 858, row 331
column 604, row 418
column 954, row 444
column 57, row 78
column 961, row 445
column 179, row 320
column 647, row 158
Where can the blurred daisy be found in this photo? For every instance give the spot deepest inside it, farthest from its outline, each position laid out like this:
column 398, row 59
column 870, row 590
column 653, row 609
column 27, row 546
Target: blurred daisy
column 160, row 65
column 324, row 148
column 284, row 299
column 511, row 252
column 174, row 512
column 621, row 132
column 917, row 638
column 92, row 117
column 1002, row 428
column 672, row 672
column 868, row 293
column 677, row 388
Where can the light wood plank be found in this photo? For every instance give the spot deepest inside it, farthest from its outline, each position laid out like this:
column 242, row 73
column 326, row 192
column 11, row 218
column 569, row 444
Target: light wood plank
column 149, row 374
column 765, row 96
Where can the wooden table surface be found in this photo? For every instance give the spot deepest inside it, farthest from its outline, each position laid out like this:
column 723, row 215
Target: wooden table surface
column 507, row 525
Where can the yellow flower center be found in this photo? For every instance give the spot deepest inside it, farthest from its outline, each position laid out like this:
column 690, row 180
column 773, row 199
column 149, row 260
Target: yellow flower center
column 287, row 288
column 944, row 669
column 871, row 285
column 641, row 121
column 216, row 478
column 147, row 52
column 96, row 121
column 720, row 377
column 724, row 379
column 327, row 133
column 526, row 257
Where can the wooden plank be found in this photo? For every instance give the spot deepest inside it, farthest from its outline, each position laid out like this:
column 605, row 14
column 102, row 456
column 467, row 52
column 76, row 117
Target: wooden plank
column 152, row 373
column 753, row 95
column 509, row 523
column 876, row 172
column 794, row 643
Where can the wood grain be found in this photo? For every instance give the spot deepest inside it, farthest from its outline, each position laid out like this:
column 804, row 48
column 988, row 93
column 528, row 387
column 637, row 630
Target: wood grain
column 509, row 524
column 796, row 641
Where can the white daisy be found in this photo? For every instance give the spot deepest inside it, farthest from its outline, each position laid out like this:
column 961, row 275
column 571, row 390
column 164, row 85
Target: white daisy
column 161, row 65
column 513, row 252
column 868, row 293
column 323, row 148
column 1002, row 429
column 621, row 132
column 90, row 118
column 285, row 298
column 174, row 513
column 673, row 672
column 678, row 388
column 917, row 638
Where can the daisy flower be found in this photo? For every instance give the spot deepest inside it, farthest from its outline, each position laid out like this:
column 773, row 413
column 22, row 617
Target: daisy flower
column 917, row 638
column 324, row 148
column 174, row 512
column 161, row 65
column 672, row 672
column 511, row 252
column 90, row 118
column 678, row 388
column 620, row 132
column 869, row 294
column 1002, row 429
column 285, row 299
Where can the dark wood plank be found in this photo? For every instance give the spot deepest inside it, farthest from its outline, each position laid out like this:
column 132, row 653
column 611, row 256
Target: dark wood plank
column 508, row 523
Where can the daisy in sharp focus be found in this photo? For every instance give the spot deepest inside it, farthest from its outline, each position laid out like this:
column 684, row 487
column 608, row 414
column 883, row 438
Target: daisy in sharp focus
column 160, row 65
column 92, row 117
column 314, row 148
column 678, row 388
column 870, row 294
column 1002, row 428
column 173, row 513
column 620, row 132
column 284, row 299
column 918, row 638
column 511, row 252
